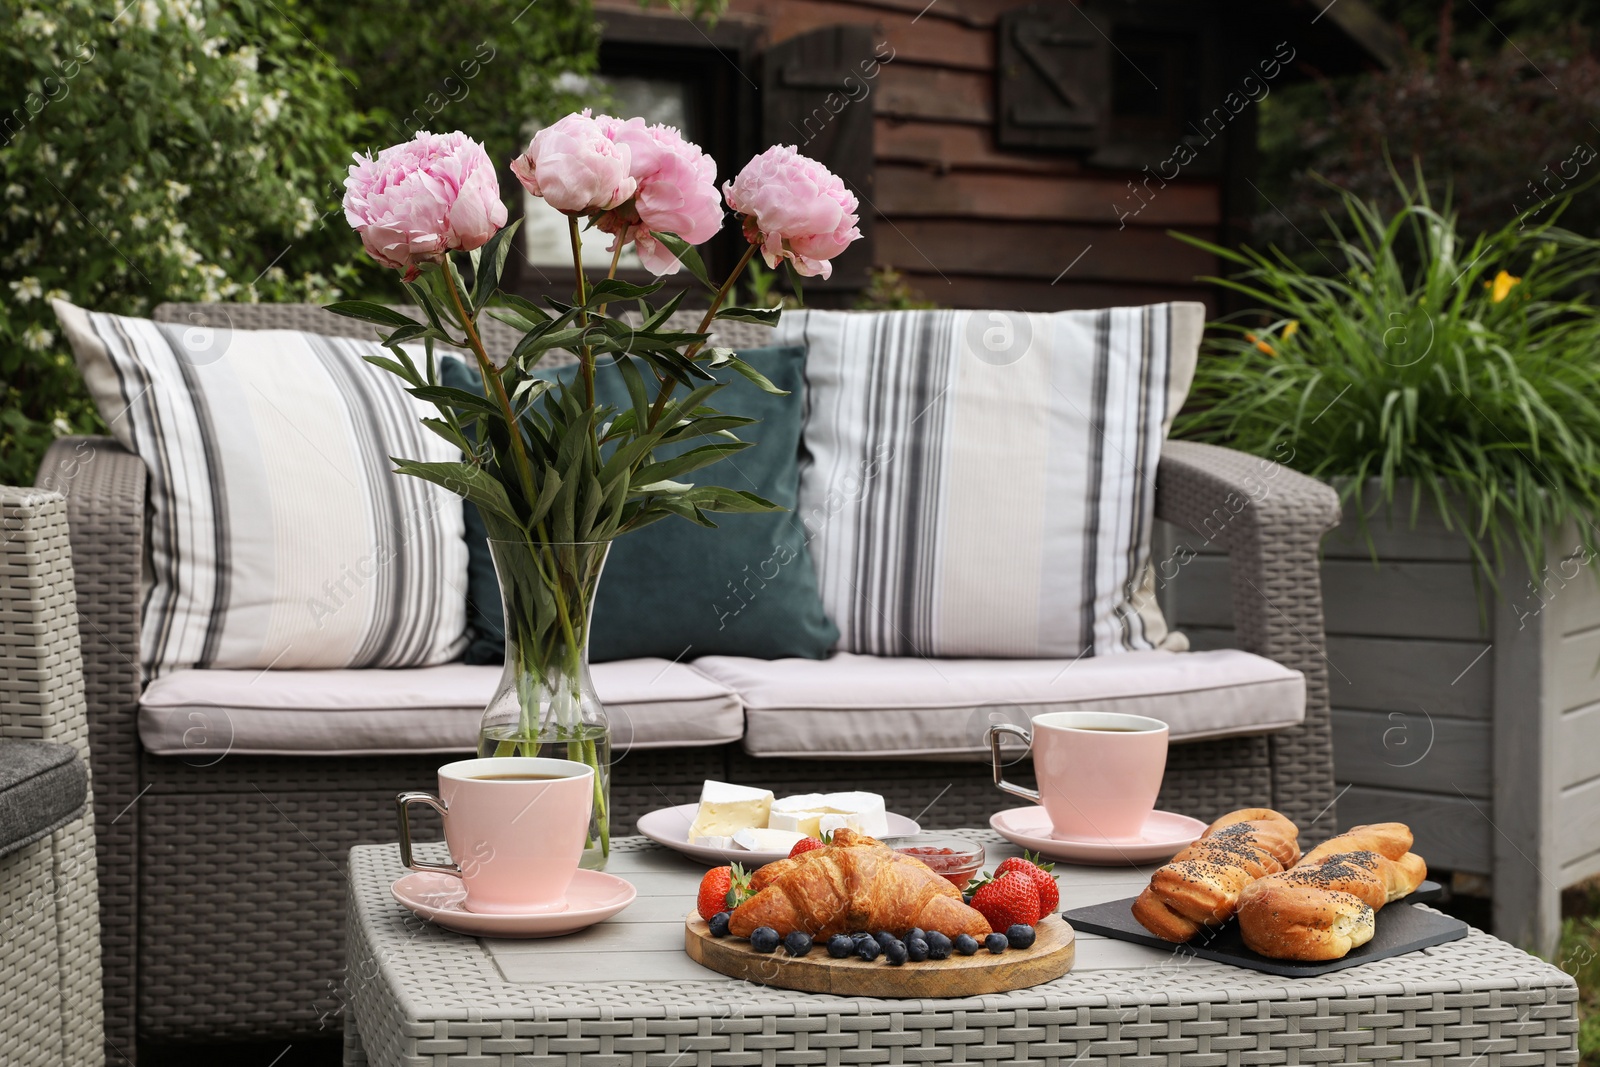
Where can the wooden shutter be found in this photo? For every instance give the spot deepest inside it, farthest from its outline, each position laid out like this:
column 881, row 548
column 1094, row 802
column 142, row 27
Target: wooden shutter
column 1054, row 77
column 816, row 94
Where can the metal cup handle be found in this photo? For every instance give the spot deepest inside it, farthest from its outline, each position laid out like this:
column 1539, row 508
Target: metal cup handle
column 994, row 759
column 402, row 804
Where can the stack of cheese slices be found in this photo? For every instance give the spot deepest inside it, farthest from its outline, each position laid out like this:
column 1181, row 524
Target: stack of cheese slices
column 1290, row 907
column 743, row 817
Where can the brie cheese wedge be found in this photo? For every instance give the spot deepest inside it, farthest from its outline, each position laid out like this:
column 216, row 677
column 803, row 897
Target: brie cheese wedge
column 757, row 839
column 726, row 808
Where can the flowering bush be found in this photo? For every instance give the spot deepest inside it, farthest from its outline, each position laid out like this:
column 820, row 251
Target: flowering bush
column 158, row 151
column 192, row 149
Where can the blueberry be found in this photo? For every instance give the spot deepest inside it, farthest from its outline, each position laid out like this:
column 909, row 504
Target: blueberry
column 764, row 939
column 916, row 949
column 841, row 946
column 797, row 943
column 895, row 952
column 868, row 949
column 966, row 898
column 965, row 944
column 995, row 943
column 860, row 936
column 917, row 932
column 884, row 937
column 938, row 946
column 718, row 924
column 1020, row 935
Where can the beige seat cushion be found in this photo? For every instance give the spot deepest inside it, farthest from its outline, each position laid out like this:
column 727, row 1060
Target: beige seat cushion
column 856, row 706
column 204, row 715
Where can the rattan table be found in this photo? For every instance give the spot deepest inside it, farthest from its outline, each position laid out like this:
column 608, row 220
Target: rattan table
column 624, row 993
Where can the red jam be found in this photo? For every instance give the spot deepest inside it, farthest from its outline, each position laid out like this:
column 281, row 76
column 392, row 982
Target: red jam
column 953, row 866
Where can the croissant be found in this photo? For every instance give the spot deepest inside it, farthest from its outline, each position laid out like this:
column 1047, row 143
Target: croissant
column 856, row 883
column 1202, row 884
column 1322, row 910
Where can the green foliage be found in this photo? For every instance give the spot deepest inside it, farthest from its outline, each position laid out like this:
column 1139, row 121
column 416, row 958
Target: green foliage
column 151, row 152
column 1579, row 955
column 1483, row 394
column 185, row 150
column 549, row 468
column 888, row 290
column 490, row 66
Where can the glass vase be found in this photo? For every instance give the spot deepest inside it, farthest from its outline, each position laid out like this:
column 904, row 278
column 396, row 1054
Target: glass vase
column 545, row 704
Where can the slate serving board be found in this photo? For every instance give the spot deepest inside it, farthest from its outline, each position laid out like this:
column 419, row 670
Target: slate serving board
column 1401, row 928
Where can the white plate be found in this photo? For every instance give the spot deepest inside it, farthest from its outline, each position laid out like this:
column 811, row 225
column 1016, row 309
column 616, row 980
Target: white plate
column 594, row 896
column 670, row 827
column 1165, row 833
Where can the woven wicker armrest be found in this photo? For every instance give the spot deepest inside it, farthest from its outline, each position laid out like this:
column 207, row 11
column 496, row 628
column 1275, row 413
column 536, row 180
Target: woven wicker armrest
column 1270, row 520
column 105, row 489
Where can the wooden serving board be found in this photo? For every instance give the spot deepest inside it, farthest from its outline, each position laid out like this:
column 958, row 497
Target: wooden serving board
column 1049, row 957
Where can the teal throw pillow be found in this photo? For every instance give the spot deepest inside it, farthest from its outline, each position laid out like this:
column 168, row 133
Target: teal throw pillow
column 677, row 590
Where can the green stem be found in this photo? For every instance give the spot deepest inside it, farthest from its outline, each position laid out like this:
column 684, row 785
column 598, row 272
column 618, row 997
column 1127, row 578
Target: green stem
column 494, row 386
column 585, row 355
column 705, row 324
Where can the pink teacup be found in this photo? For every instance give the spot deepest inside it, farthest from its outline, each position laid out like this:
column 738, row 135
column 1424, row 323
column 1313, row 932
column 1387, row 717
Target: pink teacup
column 1099, row 772
column 515, row 826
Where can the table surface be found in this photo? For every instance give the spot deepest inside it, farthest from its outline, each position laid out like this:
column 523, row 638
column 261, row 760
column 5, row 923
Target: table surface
column 410, row 981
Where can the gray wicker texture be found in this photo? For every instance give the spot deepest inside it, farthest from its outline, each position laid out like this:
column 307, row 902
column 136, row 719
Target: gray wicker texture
column 49, row 918
column 1271, row 521
column 424, row 997
column 192, row 849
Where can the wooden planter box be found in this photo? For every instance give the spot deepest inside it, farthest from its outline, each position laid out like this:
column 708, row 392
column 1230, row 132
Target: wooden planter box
column 1471, row 714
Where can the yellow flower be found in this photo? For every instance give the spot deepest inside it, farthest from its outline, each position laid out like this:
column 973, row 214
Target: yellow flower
column 1261, row 346
column 1291, row 328
column 1500, row 288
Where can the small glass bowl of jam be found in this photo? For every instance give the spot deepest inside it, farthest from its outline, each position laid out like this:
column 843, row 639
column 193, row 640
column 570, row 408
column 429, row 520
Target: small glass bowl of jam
column 953, row 858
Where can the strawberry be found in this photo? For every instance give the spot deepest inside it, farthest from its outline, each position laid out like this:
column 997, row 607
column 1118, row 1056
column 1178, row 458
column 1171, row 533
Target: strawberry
column 722, row 889
column 1007, row 900
column 1030, row 865
column 809, row 844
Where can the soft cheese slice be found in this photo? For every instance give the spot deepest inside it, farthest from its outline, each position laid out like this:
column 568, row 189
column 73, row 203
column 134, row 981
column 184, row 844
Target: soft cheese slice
column 867, row 809
column 808, row 823
column 712, row 842
column 767, row 840
column 726, row 808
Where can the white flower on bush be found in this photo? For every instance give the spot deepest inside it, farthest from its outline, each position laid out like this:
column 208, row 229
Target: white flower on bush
column 149, row 16
column 15, row 191
column 177, row 191
column 37, row 338
column 27, row 289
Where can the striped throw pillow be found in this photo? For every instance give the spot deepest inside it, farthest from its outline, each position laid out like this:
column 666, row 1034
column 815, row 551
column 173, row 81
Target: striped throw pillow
column 279, row 535
column 982, row 483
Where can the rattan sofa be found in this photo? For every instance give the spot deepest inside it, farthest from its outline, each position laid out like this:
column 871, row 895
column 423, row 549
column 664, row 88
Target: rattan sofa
column 50, row 1011
column 222, row 882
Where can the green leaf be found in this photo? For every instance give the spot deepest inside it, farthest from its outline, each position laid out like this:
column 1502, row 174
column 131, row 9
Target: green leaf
column 368, row 311
column 761, row 316
column 491, row 263
column 394, row 368
column 688, row 257
column 794, row 280
column 690, row 461
column 464, row 480
column 610, row 289
column 729, row 501
column 458, row 398
column 760, row 380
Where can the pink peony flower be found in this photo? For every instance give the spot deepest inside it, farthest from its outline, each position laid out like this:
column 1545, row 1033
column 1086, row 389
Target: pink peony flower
column 795, row 209
column 677, row 192
column 575, row 168
column 436, row 193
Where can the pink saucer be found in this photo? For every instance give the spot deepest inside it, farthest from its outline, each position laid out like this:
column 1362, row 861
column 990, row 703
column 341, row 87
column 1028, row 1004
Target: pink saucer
column 1165, row 833
column 593, row 897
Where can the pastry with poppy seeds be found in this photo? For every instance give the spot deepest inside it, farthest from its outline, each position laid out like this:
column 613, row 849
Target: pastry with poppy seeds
column 1201, row 886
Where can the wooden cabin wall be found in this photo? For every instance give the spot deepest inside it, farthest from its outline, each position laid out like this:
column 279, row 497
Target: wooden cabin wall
column 969, row 224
